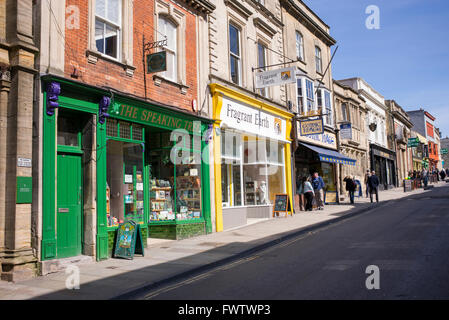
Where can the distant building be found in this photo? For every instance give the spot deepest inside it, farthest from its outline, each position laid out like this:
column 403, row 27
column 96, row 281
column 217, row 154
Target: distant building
column 399, row 127
column 424, row 124
column 382, row 158
column 445, row 157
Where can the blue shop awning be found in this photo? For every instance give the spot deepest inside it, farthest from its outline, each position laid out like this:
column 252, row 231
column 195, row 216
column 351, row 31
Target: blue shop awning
column 331, row 156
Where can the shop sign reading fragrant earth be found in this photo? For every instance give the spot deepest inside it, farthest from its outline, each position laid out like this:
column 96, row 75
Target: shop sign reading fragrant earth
column 252, row 120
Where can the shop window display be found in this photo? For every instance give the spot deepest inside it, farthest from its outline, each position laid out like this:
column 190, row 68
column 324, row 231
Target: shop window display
column 125, row 188
column 251, row 166
column 167, row 179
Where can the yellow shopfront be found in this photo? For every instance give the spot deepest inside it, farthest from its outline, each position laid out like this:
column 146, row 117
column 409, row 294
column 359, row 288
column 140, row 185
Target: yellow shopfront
column 252, row 157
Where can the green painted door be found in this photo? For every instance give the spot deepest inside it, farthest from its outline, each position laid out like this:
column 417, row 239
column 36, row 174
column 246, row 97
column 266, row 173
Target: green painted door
column 69, row 206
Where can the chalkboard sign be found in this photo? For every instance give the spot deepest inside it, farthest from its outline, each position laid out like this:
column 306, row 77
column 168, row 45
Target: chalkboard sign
column 281, row 204
column 129, row 240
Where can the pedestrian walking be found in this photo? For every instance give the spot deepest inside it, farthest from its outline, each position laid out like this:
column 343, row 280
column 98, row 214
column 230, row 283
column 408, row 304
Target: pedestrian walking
column 425, row 177
column 318, row 188
column 442, row 175
column 309, row 194
column 367, row 175
column 300, row 192
column 373, row 184
column 351, row 186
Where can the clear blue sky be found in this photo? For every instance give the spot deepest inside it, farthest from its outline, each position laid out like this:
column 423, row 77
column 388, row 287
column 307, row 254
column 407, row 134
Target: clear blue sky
column 407, row 59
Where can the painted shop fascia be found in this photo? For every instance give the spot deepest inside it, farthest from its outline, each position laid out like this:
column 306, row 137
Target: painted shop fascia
column 123, row 159
column 242, row 124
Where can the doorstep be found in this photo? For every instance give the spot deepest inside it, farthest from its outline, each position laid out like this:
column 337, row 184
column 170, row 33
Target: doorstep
column 57, row 265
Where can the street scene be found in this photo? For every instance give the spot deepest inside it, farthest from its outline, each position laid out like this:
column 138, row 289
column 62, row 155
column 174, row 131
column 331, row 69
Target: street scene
column 223, row 150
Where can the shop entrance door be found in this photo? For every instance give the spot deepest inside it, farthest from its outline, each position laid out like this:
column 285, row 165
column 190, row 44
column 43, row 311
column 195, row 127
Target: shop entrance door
column 69, row 205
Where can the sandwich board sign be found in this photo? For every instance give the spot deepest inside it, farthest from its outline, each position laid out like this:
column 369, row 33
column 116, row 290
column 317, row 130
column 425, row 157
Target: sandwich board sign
column 129, row 241
column 281, row 204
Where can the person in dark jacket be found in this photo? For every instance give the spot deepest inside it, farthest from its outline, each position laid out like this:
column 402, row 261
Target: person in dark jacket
column 373, row 185
column 442, row 175
column 350, row 187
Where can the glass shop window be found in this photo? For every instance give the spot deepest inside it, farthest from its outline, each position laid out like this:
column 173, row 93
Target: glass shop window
column 188, row 187
column 125, row 188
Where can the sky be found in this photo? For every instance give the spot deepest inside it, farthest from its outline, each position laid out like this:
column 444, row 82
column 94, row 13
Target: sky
column 406, row 59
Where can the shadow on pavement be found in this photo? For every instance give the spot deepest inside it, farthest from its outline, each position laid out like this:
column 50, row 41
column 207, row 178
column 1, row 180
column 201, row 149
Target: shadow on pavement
column 135, row 283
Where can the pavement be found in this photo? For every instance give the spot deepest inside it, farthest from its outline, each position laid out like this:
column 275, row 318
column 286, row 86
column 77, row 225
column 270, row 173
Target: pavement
column 167, row 261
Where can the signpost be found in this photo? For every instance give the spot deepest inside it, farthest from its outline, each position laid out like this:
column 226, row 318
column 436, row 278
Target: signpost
column 311, row 127
column 444, row 151
column 129, row 241
column 281, row 204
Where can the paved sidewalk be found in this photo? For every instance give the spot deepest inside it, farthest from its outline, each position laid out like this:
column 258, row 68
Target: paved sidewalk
column 165, row 259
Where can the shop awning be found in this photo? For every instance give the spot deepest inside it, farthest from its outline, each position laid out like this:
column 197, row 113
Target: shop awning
column 327, row 155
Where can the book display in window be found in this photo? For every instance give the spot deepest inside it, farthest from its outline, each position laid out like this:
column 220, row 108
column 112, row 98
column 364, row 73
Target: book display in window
column 188, row 189
column 161, row 203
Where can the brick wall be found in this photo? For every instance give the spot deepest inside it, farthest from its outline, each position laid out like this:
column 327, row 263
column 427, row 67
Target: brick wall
column 107, row 73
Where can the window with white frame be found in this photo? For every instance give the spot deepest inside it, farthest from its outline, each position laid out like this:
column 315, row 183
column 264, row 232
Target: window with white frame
column 310, row 95
column 167, row 28
column 261, row 63
column 108, row 25
column 235, row 54
column 299, row 46
column 318, row 60
column 328, row 119
column 300, row 96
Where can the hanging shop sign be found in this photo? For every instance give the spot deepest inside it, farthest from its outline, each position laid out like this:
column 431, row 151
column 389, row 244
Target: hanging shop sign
column 444, row 151
column 255, row 121
column 129, row 241
column 346, row 131
column 153, row 118
column 413, row 142
column 275, row 77
column 311, row 127
column 157, row 62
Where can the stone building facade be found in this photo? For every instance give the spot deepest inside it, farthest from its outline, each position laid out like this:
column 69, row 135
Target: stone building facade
column 382, row 156
column 17, row 128
column 307, row 39
column 245, row 38
column 400, row 128
column 350, row 108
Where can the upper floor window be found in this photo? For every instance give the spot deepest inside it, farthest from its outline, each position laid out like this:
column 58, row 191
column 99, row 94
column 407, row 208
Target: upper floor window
column 299, row 46
column 262, row 2
column 300, row 96
column 235, row 54
column 169, row 29
column 310, row 95
column 108, row 16
column 318, row 60
column 261, row 63
column 328, row 119
column 345, row 112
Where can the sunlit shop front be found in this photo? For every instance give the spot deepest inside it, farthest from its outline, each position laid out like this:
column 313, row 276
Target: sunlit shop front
column 252, row 158
column 111, row 158
column 319, row 153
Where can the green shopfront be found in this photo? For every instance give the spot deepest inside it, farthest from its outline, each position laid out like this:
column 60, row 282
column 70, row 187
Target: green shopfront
column 109, row 158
